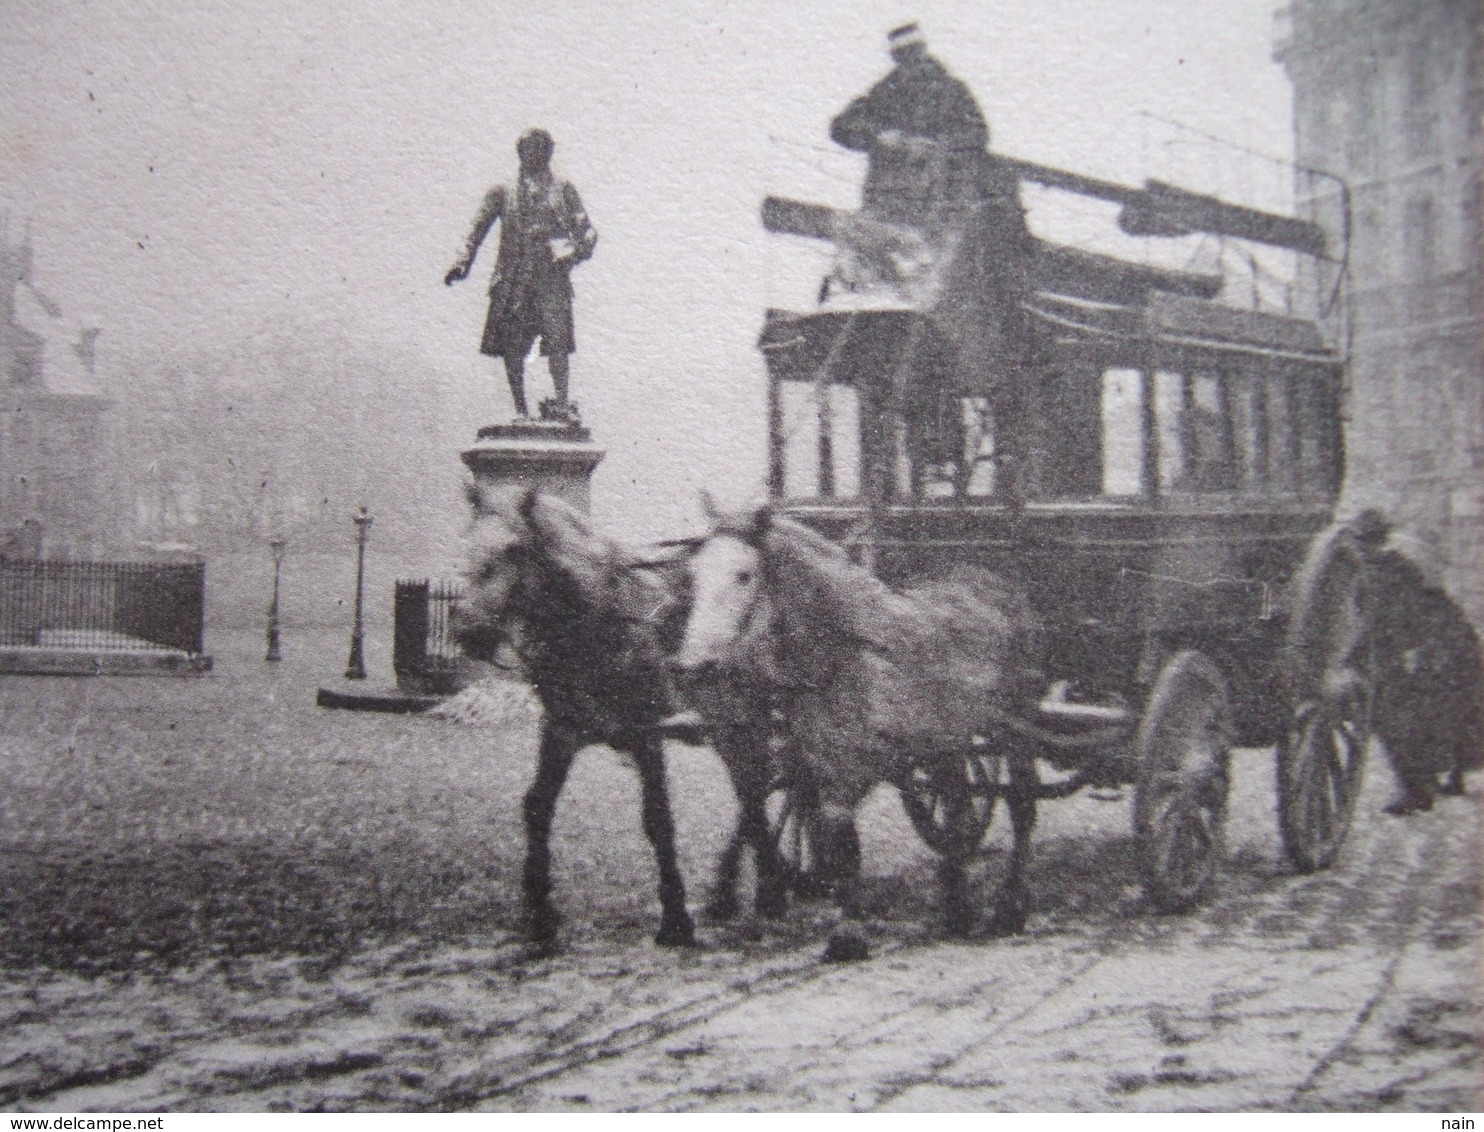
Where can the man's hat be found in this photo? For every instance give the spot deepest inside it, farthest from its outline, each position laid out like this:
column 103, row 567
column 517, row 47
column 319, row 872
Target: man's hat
column 536, row 143
column 904, row 36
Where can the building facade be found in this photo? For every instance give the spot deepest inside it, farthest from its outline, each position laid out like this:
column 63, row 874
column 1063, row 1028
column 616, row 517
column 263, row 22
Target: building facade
column 54, row 491
column 1387, row 96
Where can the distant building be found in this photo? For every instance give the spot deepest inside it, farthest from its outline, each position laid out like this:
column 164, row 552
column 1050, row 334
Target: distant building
column 1388, row 95
column 54, row 496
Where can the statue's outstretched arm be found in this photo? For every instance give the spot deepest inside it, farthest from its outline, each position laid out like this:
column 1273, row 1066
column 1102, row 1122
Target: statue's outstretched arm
column 490, row 210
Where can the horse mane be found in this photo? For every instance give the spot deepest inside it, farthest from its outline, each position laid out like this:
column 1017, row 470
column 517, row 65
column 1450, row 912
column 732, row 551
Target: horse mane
column 593, row 625
column 818, row 582
column 970, row 633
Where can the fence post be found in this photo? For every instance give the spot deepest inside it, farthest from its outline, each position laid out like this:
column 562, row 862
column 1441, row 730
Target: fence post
column 410, row 633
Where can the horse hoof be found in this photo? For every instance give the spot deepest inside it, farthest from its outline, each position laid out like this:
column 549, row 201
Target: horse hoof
column 720, row 909
column 676, row 933
column 847, row 945
column 808, row 887
column 957, row 925
column 1008, row 919
column 536, row 949
column 1407, row 804
column 542, row 925
column 1454, row 788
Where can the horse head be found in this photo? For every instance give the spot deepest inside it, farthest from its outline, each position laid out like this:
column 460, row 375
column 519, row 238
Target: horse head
column 728, row 595
column 530, row 555
column 497, row 562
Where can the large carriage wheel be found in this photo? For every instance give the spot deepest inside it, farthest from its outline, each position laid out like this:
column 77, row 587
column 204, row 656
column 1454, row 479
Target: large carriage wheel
column 950, row 801
column 1183, row 748
column 1330, row 677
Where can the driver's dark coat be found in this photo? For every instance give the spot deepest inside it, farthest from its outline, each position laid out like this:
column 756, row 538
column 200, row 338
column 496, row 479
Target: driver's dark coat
column 918, row 97
column 906, row 184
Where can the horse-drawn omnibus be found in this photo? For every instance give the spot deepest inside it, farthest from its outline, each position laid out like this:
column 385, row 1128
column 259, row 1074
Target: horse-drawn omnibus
column 1156, row 464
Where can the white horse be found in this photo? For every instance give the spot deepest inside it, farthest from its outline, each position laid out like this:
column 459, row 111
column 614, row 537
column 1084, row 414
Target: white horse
column 873, row 682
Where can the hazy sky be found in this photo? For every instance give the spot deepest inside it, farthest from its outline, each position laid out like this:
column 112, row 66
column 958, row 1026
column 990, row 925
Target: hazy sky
column 198, row 172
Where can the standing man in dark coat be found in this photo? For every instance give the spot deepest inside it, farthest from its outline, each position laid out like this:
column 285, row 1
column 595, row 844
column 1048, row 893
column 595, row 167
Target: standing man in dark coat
column 929, row 168
column 544, row 233
column 922, row 132
column 1429, row 707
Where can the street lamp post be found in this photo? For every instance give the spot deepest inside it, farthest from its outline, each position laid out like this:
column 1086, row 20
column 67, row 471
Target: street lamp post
column 356, row 668
column 278, row 546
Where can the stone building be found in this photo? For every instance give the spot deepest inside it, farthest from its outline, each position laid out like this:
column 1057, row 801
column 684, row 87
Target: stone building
column 1388, row 96
column 54, row 494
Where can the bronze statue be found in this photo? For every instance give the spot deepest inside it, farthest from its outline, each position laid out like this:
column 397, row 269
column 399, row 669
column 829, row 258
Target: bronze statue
column 544, row 233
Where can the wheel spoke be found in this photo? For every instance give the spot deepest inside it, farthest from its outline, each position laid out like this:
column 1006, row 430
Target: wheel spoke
column 1317, row 792
column 1328, row 640
column 1337, row 773
column 1185, row 840
column 1181, row 792
column 950, row 801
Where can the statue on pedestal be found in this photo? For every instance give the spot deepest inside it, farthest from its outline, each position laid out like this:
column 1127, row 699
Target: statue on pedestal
column 544, row 233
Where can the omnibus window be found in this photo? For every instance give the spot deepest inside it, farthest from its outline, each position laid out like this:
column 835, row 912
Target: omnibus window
column 1194, row 419
column 979, row 477
column 1066, row 434
column 1123, row 432
column 1283, row 453
column 1249, row 430
column 1169, row 403
column 805, row 421
column 1304, row 446
column 1319, row 445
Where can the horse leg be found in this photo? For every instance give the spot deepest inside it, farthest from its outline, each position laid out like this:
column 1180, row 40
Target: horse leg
column 840, row 856
column 1461, row 738
column 676, row 927
column 558, row 748
column 1012, row 901
column 771, row 898
column 840, row 862
column 722, row 903
column 753, row 777
column 1453, row 785
column 957, row 920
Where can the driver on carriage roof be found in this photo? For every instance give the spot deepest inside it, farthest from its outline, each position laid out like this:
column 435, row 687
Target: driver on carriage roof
column 929, row 170
column 917, row 121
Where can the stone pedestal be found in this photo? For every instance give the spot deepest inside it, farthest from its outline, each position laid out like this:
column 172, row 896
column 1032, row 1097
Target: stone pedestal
column 552, row 456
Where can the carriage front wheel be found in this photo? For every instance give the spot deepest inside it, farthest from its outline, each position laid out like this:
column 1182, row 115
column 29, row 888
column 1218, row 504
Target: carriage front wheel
column 950, row 800
column 1331, row 682
column 1184, row 751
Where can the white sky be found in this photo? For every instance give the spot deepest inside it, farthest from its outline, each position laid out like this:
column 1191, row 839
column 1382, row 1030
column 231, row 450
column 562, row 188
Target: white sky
column 196, row 172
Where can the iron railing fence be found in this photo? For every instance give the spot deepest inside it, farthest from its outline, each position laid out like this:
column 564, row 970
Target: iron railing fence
column 148, row 606
column 425, row 656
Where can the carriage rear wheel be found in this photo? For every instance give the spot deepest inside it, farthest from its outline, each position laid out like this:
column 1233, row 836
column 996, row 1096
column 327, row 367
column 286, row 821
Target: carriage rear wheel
column 951, row 801
column 1331, row 681
column 1184, row 750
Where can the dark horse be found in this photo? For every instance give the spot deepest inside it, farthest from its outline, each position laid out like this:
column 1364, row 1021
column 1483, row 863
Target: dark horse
column 593, row 625
column 873, row 682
